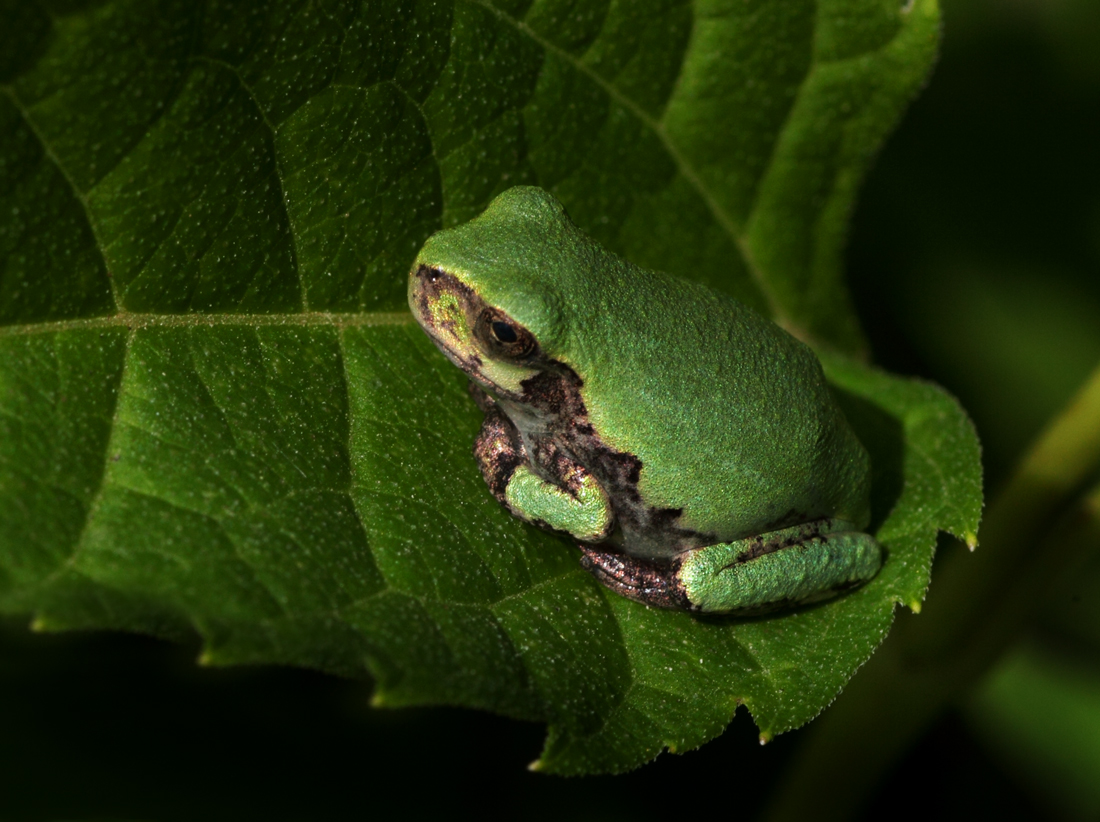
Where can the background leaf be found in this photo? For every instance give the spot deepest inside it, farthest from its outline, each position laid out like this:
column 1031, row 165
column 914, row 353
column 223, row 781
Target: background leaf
column 216, row 415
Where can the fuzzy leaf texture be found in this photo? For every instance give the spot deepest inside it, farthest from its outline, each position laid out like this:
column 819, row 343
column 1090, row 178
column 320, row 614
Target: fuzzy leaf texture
column 217, row 416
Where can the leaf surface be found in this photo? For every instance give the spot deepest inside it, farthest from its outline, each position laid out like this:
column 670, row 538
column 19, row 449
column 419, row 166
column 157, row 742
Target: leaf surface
column 217, row 416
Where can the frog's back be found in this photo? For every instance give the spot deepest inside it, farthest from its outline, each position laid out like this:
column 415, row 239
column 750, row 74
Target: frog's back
column 730, row 416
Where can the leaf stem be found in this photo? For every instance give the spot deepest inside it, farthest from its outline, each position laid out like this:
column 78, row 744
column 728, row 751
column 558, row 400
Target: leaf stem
column 1035, row 531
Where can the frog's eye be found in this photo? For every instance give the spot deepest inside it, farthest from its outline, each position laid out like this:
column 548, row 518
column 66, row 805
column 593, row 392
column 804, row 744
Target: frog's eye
column 504, row 332
column 503, row 338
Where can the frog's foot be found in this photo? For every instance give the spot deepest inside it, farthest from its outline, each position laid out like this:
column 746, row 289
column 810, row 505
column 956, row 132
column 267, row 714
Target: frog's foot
column 780, row 569
column 575, row 504
column 498, row 448
column 578, row 506
column 645, row 581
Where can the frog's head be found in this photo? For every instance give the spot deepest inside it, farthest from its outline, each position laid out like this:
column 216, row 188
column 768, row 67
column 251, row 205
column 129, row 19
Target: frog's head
column 489, row 293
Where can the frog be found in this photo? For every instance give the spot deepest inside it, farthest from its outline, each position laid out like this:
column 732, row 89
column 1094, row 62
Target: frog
column 691, row 447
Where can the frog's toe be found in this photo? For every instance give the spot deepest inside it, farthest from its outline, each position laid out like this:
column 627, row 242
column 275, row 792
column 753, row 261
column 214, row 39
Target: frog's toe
column 652, row 583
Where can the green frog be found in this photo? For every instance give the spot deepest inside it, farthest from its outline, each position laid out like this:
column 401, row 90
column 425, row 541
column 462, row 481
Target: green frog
column 690, row 446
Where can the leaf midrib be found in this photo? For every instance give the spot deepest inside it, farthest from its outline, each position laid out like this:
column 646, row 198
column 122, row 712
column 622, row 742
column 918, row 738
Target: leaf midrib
column 139, row 321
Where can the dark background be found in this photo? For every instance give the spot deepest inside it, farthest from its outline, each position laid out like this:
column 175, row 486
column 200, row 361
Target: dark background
column 974, row 260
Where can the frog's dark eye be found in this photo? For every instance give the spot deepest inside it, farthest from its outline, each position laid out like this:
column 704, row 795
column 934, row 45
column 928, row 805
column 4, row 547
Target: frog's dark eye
column 502, row 338
column 504, row 332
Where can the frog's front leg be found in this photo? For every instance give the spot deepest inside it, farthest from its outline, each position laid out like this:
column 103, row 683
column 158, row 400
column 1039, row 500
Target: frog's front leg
column 792, row 566
column 575, row 503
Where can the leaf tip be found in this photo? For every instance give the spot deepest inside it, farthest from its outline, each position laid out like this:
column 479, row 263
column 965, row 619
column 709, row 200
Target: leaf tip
column 765, row 737
column 914, row 605
column 535, row 766
column 971, row 540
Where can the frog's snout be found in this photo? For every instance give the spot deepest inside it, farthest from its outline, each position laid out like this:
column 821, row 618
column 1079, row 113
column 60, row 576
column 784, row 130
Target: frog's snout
column 439, row 304
column 421, row 279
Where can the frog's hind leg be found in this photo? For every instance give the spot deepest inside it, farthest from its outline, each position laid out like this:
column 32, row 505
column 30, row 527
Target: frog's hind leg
column 638, row 579
column 781, row 569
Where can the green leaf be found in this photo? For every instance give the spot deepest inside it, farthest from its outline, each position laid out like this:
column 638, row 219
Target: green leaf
column 217, row 416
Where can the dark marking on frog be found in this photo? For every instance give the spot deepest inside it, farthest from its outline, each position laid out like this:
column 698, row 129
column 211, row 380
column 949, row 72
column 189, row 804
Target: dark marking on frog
column 768, row 543
column 650, row 582
column 498, row 450
column 657, row 582
column 483, row 400
column 792, row 517
column 570, row 440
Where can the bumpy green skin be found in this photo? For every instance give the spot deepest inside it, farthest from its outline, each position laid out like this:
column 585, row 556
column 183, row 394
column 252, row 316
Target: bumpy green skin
column 729, row 418
column 808, row 569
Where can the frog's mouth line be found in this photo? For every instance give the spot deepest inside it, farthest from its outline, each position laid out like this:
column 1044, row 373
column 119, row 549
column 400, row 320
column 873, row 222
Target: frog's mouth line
column 471, row 367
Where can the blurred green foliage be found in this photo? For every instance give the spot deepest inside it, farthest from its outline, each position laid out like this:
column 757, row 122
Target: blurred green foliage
column 984, row 214
column 985, row 209
column 1040, row 713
